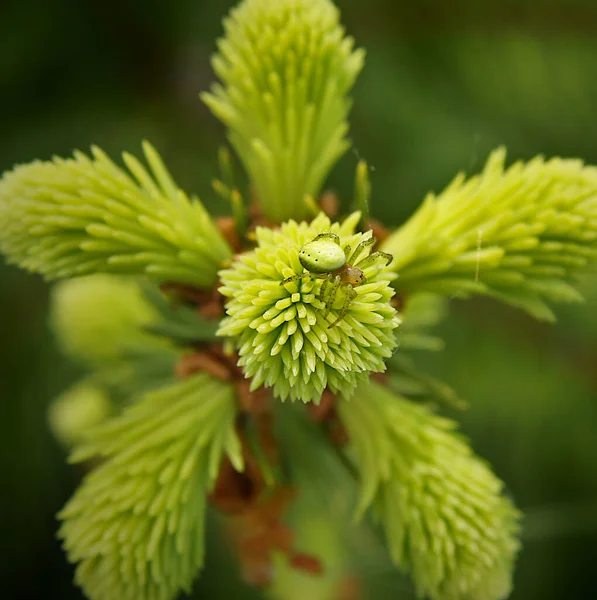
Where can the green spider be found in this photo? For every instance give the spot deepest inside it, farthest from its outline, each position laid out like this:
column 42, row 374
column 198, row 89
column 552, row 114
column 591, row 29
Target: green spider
column 324, row 258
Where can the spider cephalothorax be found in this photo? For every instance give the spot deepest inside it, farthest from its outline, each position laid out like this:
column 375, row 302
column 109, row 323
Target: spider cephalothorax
column 324, row 258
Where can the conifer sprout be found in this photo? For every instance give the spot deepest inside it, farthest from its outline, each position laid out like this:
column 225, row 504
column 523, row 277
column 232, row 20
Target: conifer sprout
column 136, row 524
column 82, row 215
column 283, row 333
column 443, row 511
column 77, row 411
column 517, row 234
column 101, row 322
column 97, row 318
column 286, row 68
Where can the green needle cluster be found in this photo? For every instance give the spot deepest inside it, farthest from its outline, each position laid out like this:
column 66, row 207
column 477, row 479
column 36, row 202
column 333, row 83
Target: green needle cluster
column 517, row 234
column 97, row 318
column 282, row 333
column 286, row 68
column 71, row 217
column 77, row 411
column 443, row 511
column 136, row 525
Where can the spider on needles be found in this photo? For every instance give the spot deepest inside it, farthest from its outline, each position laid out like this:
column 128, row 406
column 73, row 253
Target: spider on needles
column 324, row 258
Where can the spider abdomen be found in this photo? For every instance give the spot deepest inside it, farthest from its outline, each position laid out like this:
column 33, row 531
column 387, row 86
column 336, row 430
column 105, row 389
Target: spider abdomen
column 322, row 256
column 325, row 258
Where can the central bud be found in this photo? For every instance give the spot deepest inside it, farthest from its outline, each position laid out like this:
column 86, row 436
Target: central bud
column 309, row 308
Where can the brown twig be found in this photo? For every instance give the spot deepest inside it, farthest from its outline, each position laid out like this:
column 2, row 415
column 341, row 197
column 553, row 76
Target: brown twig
column 255, row 519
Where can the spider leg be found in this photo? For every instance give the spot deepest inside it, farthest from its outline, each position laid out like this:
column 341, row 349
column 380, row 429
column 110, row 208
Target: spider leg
column 373, row 257
column 350, row 296
column 359, row 249
column 290, row 279
column 347, row 250
column 332, row 296
column 330, row 235
column 324, row 285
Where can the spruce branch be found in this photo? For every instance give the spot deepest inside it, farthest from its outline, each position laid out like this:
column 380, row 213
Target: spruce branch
column 136, row 525
column 70, row 217
column 282, row 332
column 442, row 509
column 286, row 68
column 517, row 234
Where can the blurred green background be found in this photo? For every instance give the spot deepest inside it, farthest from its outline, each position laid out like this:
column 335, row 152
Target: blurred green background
column 444, row 83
